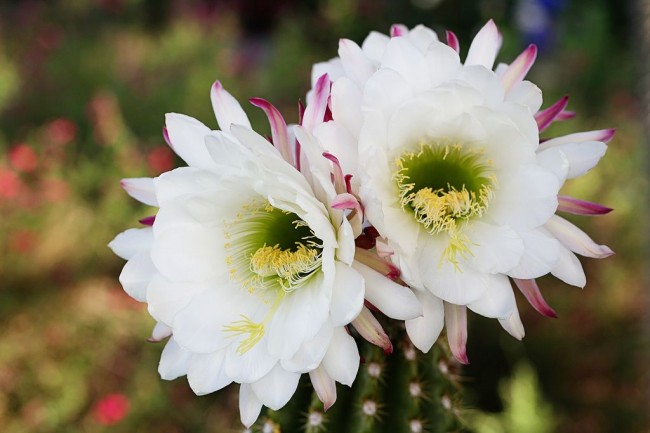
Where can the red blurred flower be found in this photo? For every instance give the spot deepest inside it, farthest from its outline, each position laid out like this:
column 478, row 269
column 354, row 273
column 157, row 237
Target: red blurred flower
column 111, row 409
column 22, row 241
column 10, row 183
column 160, row 159
column 23, row 158
column 61, row 131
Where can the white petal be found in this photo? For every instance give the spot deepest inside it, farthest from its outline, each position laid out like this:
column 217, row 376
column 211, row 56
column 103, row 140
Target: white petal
column 324, row 386
column 513, row 325
column 311, row 353
column 392, row 299
column 346, row 106
column 582, row 157
column 226, row 108
column 526, row 199
column 347, row 295
column 495, row 249
column 404, row 58
column 187, row 136
column 166, row 298
column 575, row 239
column 443, row 63
column 374, row 45
column 424, row 331
column 207, row 374
column 456, row 323
column 355, row 64
column 160, row 332
column 498, row 301
column 276, row 388
column 131, row 242
column 141, row 189
column 342, row 358
column 249, row 405
column 485, row 46
column 422, row 37
column 569, row 269
column 554, row 161
column 136, row 276
column 299, row 317
column 385, row 90
column 174, row 361
column 250, row 366
column 527, row 94
column 541, row 252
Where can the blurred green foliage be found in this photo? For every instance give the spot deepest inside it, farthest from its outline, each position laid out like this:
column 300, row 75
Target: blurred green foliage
column 84, row 86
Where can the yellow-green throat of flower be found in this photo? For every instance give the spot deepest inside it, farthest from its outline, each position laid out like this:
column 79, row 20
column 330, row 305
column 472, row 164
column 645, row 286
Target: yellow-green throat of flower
column 443, row 186
column 270, row 252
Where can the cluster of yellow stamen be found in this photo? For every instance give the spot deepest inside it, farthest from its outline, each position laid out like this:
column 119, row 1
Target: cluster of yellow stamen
column 443, row 208
column 270, row 271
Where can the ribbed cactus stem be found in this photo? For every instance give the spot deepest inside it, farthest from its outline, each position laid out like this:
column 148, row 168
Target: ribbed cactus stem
column 405, row 392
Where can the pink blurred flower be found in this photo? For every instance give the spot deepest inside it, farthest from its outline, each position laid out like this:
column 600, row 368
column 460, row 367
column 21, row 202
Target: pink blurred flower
column 22, row 241
column 23, row 158
column 10, row 183
column 160, row 159
column 61, row 131
column 54, row 190
column 111, row 409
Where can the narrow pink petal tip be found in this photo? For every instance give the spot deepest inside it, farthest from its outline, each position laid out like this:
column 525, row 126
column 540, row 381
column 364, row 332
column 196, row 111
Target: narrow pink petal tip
column 608, row 134
column 452, row 41
column 148, row 221
column 546, row 117
column 580, row 207
column 532, row 293
column 217, row 85
column 398, row 30
column 518, row 69
column 166, row 137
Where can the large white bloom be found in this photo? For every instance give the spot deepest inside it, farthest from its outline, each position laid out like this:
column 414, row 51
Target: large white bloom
column 247, row 264
column 453, row 175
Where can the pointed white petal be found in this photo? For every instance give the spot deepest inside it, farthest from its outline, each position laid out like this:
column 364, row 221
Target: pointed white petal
column 392, row 299
column 174, row 361
column 569, row 269
column 527, row 94
column 141, row 189
column 159, row 333
column 342, row 358
column 136, row 276
column 374, row 45
column 424, row 331
column 495, row 248
column 404, row 58
column 324, row 386
column 249, row 405
column 226, row 108
column 456, row 322
column 485, row 46
column 513, row 325
column 498, row 301
column 131, row 242
column 187, row 136
column 311, row 353
column 582, row 157
column 575, row 239
column 355, row 64
column 207, row 374
column 276, row 388
column 370, row 329
column 347, row 295
column 540, row 255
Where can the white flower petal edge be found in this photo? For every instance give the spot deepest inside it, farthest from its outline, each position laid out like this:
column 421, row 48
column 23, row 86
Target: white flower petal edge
column 453, row 176
column 247, row 263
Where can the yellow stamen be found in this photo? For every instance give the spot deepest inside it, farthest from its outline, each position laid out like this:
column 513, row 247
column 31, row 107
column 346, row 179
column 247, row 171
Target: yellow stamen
column 289, row 265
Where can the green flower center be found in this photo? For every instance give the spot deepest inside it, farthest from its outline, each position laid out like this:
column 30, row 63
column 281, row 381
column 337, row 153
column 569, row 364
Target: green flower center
column 271, row 250
column 443, row 186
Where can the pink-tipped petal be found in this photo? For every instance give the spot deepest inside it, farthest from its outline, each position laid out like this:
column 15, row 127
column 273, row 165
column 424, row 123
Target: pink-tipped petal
column 141, row 189
column 547, row 116
column 147, row 221
column 315, row 111
column 376, row 262
column 279, row 131
column 580, row 207
column 531, row 291
column 324, row 386
column 339, row 179
column 485, row 46
column 452, row 41
column 398, row 30
column 347, row 201
column 513, row 325
column 456, row 323
column 575, row 239
column 370, row 329
column 348, row 183
column 565, row 115
column 602, row 135
column 166, row 137
column 159, row 333
column 226, row 108
column 519, row 67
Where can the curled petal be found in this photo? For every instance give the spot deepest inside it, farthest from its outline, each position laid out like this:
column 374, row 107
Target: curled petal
column 324, row 386
column 602, row 135
column 279, row 131
column 531, row 291
column 545, row 117
column 166, row 137
column 575, row 239
column 339, row 179
column 226, row 108
column 315, row 111
column 580, row 207
column 452, row 41
column 370, row 329
column 513, row 325
column 456, row 322
column 347, row 201
column 519, row 67
column 398, row 30
column 141, row 189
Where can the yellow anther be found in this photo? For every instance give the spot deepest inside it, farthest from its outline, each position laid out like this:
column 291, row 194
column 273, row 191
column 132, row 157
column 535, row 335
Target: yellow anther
column 289, row 265
column 254, row 330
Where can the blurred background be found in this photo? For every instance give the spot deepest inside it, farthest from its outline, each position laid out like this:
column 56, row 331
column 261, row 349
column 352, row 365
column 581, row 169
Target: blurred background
column 84, row 86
